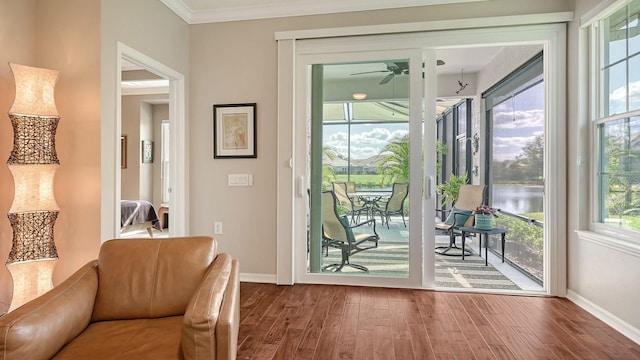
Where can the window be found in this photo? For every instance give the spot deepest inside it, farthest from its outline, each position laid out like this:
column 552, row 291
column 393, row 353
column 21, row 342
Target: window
column 515, row 162
column 453, row 139
column 356, row 139
column 616, row 117
column 463, row 136
column 164, row 158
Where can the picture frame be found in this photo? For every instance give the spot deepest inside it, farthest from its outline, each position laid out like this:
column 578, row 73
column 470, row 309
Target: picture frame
column 234, row 131
column 147, row 152
column 123, row 151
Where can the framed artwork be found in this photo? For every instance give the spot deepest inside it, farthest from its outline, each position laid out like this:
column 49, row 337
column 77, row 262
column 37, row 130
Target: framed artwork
column 234, row 131
column 123, row 151
column 147, row 151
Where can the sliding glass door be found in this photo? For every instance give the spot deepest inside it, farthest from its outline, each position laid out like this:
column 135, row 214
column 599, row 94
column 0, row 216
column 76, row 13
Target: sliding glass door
column 363, row 168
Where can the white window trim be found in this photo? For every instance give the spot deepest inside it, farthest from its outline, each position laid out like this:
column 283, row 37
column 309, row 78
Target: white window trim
column 610, row 241
column 606, row 235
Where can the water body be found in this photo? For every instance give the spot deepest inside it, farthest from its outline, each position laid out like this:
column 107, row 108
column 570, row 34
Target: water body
column 518, row 199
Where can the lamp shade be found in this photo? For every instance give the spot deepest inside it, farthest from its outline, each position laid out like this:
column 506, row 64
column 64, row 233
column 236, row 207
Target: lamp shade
column 34, row 91
column 33, row 163
column 33, row 188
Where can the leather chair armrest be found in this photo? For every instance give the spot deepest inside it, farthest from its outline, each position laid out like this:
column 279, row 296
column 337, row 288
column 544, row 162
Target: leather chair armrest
column 199, row 332
column 41, row 327
column 229, row 320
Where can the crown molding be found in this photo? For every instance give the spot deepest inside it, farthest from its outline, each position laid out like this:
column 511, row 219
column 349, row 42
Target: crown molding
column 286, row 9
column 458, row 24
column 180, row 8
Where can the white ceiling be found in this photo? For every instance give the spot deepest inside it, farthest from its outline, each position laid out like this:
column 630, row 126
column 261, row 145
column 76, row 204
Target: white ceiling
column 207, row 11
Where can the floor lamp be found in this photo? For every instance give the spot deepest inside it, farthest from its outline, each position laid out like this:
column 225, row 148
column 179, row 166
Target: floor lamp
column 33, row 163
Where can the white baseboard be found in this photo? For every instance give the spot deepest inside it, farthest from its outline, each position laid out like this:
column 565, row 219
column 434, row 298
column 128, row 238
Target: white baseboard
column 618, row 324
column 258, row 278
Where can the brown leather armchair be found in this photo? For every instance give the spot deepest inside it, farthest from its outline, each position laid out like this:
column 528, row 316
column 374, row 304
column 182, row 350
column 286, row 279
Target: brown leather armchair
column 173, row 298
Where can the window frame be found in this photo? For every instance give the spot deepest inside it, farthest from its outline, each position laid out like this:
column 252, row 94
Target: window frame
column 597, row 117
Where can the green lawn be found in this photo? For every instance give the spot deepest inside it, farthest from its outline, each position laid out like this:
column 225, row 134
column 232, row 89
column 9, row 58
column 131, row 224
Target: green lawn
column 363, row 181
column 536, row 216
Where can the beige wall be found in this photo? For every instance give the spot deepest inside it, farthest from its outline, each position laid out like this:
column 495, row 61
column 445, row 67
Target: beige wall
column 236, row 63
column 49, row 34
column 138, row 181
column 152, row 29
column 130, row 177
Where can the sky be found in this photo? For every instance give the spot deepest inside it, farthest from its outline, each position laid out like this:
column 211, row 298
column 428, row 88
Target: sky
column 366, row 140
column 517, row 122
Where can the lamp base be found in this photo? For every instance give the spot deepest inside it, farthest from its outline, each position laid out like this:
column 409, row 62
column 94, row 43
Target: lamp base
column 30, row 280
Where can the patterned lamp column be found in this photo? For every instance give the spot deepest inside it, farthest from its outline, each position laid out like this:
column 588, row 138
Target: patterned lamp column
column 33, row 163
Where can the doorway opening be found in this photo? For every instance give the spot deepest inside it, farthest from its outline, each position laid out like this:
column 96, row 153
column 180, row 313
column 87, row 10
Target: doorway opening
column 144, row 151
column 493, row 135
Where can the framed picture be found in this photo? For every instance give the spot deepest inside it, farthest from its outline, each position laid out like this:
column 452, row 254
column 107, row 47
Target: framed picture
column 234, row 131
column 147, row 151
column 123, row 151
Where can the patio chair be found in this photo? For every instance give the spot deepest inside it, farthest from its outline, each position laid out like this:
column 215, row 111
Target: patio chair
column 469, row 198
column 395, row 204
column 354, row 205
column 351, row 187
column 337, row 233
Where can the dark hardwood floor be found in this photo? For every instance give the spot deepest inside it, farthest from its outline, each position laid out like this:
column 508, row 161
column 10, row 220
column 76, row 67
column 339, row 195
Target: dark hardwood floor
column 343, row 322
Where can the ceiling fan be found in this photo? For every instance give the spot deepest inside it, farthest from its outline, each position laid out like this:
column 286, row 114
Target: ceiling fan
column 394, row 68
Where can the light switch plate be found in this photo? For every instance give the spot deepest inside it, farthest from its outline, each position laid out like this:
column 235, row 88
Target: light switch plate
column 240, row 180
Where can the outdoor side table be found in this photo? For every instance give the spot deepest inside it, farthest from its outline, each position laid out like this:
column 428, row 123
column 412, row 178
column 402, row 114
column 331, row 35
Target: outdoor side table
column 485, row 233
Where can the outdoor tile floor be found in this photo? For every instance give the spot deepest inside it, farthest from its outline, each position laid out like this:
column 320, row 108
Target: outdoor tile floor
column 397, row 232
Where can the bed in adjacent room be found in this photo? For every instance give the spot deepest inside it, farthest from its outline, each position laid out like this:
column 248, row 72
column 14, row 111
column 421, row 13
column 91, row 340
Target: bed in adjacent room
column 138, row 215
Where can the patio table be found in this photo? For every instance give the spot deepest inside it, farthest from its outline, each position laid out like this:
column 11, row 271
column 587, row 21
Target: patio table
column 485, row 233
column 370, row 199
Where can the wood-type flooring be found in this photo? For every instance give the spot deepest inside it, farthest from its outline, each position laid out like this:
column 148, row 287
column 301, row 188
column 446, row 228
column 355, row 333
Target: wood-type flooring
column 344, row 322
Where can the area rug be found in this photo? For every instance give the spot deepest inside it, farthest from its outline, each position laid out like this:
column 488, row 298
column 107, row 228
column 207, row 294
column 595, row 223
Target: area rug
column 392, row 259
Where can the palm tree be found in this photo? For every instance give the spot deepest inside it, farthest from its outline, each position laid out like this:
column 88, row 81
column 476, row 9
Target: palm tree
column 395, row 165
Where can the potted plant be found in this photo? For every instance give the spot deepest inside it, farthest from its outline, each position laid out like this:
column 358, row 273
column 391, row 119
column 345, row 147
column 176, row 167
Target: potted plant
column 484, row 215
column 451, row 188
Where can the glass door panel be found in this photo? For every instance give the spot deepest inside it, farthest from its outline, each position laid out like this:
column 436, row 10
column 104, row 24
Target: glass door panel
column 358, row 152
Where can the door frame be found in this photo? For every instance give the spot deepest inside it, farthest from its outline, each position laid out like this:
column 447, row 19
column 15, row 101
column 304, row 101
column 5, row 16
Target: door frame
column 110, row 164
column 549, row 31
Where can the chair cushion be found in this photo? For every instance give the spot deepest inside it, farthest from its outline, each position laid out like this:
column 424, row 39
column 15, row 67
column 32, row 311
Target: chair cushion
column 345, row 223
column 153, row 277
column 138, row 339
column 458, row 217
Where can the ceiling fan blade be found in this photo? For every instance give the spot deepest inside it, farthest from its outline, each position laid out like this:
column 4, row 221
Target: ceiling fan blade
column 387, row 79
column 370, row 72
